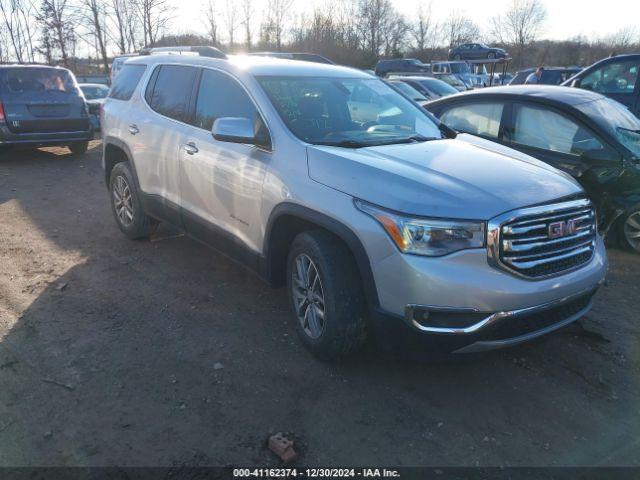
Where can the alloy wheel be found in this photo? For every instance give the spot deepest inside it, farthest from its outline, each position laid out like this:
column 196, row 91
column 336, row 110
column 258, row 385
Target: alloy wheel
column 632, row 230
column 308, row 296
column 122, row 201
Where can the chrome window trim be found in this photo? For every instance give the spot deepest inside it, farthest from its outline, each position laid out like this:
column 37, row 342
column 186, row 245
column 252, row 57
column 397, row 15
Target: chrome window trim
column 495, row 224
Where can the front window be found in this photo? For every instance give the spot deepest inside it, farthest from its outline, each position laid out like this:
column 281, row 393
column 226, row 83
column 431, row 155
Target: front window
column 619, row 77
column 546, row 129
column 34, row 80
column 349, row 112
column 476, row 118
column 94, row 92
column 617, row 119
column 460, row 68
column 409, row 91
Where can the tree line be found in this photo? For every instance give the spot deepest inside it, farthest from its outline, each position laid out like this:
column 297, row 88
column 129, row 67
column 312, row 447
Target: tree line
column 84, row 34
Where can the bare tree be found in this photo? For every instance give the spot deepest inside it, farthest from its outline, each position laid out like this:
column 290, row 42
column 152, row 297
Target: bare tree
column 278, row 12
column 17, row 20
column 94, row 14
column 459, row 29
column 247, row 18
column 154, row 14
column 57, row 29
column 123, row 25
column 231, row 20
column 520, row 25
column 374, row 18
column 211, row 22
column 424, row 31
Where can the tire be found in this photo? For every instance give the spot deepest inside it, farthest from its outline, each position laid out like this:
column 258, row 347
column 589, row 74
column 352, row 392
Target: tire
column 628, row 226
column 127, row 208
column 341, row 330
column 491, row 55
column 457, row 57
column 79, row 148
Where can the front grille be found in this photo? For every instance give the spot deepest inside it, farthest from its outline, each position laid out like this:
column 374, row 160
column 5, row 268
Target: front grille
column 545, row 241
column 517, row 325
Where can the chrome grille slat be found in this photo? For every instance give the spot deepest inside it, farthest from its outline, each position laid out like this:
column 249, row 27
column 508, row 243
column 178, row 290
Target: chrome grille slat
column 524, row 245
column 553, row 217
column 535, row 263
column 539, row 242
column 546, row 255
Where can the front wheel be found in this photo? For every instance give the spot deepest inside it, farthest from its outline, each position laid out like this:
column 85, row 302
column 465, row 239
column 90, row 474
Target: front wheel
column 79, row 148
column 629, row 229
column 326, row 295
column 491, row 55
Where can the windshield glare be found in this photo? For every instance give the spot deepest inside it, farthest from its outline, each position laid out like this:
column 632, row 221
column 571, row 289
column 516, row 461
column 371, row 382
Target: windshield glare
column 617, row 119
column 348, row 112
column 409, row 91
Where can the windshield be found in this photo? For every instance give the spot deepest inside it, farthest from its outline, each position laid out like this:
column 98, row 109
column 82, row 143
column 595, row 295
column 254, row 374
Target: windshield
column 460, row 68
column 451, row 80
column 93, row 93
column 409, row 91
column 440, row 88
column 348, row 112
column 33, row 80
column 617, row 119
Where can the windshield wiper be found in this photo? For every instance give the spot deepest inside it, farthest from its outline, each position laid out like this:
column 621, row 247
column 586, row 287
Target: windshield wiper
column 345, row 144
column 411, row 139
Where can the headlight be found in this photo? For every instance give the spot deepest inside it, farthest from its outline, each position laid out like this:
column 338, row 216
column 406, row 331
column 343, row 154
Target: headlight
column 426, row 236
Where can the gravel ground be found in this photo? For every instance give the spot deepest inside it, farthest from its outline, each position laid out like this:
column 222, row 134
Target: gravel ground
column 163, row 352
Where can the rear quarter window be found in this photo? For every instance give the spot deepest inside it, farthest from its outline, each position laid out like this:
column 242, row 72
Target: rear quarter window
column 126, row 81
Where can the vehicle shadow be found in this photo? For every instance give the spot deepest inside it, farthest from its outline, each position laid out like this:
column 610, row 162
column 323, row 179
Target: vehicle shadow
column 163, row 352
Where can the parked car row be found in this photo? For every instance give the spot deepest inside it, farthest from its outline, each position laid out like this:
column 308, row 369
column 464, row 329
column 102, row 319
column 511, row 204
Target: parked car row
column 374, row 201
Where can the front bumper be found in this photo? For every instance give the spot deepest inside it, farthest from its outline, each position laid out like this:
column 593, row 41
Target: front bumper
column 7, row 137
column 471, row 306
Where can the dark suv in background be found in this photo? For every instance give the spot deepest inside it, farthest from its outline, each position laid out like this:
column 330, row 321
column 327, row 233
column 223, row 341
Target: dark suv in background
column 614, row 77
column 404, row 65
column 42, row 106
column 475, row 51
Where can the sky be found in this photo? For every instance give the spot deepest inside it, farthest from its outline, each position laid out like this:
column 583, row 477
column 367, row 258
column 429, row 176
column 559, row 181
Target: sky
column 566, row 18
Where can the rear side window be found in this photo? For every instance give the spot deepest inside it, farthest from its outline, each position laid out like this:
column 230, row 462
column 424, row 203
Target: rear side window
column 476, row 118
column 172, row 91
column 126, row 81
column 222, row 96
column 35, row 80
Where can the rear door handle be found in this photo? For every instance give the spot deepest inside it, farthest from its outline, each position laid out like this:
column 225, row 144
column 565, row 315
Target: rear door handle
column 133, row 129
column 190, row 148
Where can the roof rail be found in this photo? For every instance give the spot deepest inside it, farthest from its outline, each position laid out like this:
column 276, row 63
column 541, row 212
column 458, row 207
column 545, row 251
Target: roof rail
column 203, row 51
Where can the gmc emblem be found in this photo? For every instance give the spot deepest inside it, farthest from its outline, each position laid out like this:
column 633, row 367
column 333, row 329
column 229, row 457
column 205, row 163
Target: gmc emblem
column 561, row 228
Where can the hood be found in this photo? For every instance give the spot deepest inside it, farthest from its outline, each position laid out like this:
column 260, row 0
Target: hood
column 444, row 178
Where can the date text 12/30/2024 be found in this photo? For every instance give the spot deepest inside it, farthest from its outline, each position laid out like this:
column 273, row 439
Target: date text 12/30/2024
column 315, row 473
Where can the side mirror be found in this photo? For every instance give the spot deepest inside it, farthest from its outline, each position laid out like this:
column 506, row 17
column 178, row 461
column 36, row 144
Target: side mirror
column 238, row 130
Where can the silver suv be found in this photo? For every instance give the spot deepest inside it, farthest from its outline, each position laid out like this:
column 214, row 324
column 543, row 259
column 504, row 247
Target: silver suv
column 376, row 217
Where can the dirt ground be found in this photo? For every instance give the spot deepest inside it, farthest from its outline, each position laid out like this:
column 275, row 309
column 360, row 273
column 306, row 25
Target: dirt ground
column 163, row 352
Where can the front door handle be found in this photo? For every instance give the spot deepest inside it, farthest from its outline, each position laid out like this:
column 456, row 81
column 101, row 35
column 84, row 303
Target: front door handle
column 133, row 129
column 190, row 148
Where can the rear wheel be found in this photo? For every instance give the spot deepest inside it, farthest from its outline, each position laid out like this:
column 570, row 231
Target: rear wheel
column 126, row 205
column 629, row 229
column 326, row 295
column 79, row 148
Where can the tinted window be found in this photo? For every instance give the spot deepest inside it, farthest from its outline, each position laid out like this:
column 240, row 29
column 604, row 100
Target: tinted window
column 549, row 130
column 475, row 118
column 34, row 80
column 219, row 96
column 126, row 82
column 617, row 77
column 172, row 91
